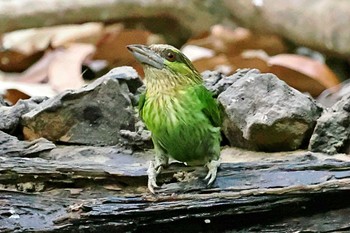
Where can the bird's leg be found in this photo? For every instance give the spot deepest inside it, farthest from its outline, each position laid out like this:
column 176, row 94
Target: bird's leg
column 155, row 167
column 213, row 168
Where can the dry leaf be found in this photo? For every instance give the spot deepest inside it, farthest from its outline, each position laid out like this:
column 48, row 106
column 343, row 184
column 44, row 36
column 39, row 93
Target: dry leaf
column 20, row 49
column 27, row 90
column 12, row 61
column 214, row 63
column 65, row 70
column 88, row 33
column 29, row 41
column 112, row 47
column 13, row 95
column 303, row 73
column 38, row 73
column 254, row 59
column 194, row 52
column 234, row 41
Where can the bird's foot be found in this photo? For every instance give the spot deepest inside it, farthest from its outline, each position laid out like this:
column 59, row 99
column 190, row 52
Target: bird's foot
column 152, row 172
column 213, row 168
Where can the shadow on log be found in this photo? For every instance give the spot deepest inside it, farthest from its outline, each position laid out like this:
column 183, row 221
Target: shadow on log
column 89, row 189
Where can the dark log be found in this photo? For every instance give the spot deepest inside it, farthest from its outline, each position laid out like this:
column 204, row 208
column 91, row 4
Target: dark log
column 94, row 189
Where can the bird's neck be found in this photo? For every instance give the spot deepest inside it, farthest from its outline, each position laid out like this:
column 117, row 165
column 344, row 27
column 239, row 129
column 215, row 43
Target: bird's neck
column 164, row 82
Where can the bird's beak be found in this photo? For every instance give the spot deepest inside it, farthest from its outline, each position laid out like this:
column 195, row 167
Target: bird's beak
column 145, row 55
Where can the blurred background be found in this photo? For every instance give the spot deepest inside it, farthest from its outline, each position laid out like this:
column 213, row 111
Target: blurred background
column 47, row 47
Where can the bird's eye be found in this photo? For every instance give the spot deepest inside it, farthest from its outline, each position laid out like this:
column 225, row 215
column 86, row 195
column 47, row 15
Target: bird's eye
column 170, row 56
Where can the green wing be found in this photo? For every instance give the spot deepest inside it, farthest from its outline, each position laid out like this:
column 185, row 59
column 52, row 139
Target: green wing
column 209, row 105
column 141, row 103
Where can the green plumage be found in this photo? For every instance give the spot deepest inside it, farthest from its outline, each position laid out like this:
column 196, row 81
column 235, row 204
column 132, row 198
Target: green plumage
column 179, row 111
column 184, row 124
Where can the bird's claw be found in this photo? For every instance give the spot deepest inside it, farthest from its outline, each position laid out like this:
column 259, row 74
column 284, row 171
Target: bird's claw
column 152, row 177
column 213, row 168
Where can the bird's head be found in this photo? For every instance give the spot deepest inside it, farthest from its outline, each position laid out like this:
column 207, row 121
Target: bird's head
column 161, row 61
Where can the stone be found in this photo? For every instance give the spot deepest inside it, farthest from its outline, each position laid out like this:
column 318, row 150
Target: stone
column 10, row 115
column 138, row 139
column 2, row 101
column 128, row 78
column 261, row 112
column 92, row 115
column 10, row 145
column 332, row 95
column 217, row 82
column 332, row 131
column 127, row 75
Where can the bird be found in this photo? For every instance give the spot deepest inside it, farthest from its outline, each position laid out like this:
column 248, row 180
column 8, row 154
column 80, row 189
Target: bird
column 182, row 115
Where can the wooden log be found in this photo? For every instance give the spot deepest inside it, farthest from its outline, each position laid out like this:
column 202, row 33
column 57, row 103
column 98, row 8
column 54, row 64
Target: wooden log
column 186, row 17
column 319, row 24
column 104, row 189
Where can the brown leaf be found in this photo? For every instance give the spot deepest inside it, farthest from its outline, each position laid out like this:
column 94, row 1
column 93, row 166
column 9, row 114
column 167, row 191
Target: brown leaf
column 29, row 41
column 12, row 61
column 213, row 63
column 13, row 95
column 23, row 48
column 303, row 73
column 65, row 70
column 112, row 47
column 255, row 59
column 38, row 72
column 234, row 41
column 20, row 90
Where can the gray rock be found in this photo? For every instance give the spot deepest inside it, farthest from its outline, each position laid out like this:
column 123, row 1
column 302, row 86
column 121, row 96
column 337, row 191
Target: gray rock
column 128, row 75
column 10, row 115
column 138, row 139
column 92, row 115
column 332, row 131
column 129, row 80
column 10, row 145
column 2, row 101
column 217, row 82
column 261, row 112
column 332, row 95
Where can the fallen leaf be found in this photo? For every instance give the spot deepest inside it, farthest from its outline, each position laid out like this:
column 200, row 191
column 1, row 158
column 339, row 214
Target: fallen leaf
column 20, row 49
column 112, row 47
column 29, row 41
column 87, row 33
column 38, row 72
column 194, row 52
column 213, row 63
column 303, row 73
column 253, row 59
column 65, row 71
column 12, row 61
column 13, row 95
column 233, row 42
column 31, row 89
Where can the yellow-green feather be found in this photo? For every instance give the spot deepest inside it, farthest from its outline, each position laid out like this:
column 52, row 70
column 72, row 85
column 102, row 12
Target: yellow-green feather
column 181, row 114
